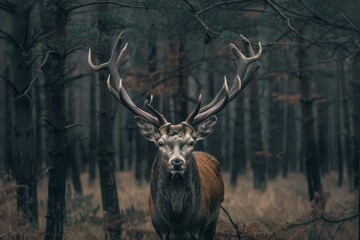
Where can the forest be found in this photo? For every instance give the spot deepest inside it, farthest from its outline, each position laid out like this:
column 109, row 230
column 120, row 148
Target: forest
column 73, row 164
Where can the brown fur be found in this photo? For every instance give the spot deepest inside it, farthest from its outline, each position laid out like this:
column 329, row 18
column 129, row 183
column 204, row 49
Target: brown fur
column 206, row 209
column 212, row 185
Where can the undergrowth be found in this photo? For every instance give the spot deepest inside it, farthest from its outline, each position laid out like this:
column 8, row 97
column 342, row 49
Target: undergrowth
column 281, row 212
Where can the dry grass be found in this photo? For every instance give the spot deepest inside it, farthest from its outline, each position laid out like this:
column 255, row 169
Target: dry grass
column 260, row 215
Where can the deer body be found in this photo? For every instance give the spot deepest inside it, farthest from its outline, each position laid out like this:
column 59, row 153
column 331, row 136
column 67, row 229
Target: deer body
column 186, row 188
column 187, row 206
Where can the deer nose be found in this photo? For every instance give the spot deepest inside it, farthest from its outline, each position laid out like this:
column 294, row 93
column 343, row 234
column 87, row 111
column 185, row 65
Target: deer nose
column 177, row 162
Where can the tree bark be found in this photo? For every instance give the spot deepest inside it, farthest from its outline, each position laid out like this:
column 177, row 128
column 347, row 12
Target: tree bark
column 92, row 131
column 54, row 72
column 285, row 133
column 347, row 127
column 356, row 121
column 276, row 135
column 24, row 130
column 323, row 136
column 71, row 139
column 238, row 165
column 258, row 153
column 177, row 54
column 308, row 131
column 9, row 134
column 338, row 127
column 105, row 154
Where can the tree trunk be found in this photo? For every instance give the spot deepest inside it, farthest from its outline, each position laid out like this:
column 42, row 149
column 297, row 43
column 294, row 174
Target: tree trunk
column 338, row 127
column 54, row 71
column 141, row 157
column 239, row 159
column 309, row 140
column 258, row 154
column 24, row 130
column 323, row 137
column 92, row 131
column 109, row 193
column 347, row 127
column 276, row 135
column 177, row 55
column 285, row 133
column 214, row 142
column 152, row 68
column 9, row 134
column 356, row 122
column 3, row 103
column 71, row 139
column 38, row 126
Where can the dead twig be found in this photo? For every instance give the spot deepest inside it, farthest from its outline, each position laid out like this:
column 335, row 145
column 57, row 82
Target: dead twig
column 25, row 94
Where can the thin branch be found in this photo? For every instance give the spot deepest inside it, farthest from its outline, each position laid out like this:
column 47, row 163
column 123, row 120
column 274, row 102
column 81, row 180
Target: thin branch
column 200, row 20
column 10, row 83
column 232, row 222
column 33, row 80
column 9, row 38
column 7, row 6
column 316, row 19
column 206, row 27
column 109, row 2
column 52, row 125
column 325, row 219
column 74, row 78
column 221, row 4
column 350, row 21
column 288, row 21
column 293, row 29
column 74, row 125
column 191, row 6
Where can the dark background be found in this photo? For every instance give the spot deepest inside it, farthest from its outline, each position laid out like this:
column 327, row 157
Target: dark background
column 288, row 144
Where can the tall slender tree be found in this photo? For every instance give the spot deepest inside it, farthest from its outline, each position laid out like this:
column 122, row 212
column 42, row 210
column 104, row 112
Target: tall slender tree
column 55, row 81
column 109, row 193
column 24, row 129
column 309, row 141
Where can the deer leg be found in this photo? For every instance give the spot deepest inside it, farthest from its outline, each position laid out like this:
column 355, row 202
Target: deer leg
column 210, row 231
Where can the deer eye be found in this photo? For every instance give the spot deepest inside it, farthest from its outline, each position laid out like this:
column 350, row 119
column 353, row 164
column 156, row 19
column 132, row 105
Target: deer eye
column 160, row 143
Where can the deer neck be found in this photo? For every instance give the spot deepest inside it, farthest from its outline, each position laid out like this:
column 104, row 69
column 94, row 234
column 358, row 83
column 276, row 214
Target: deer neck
column 175, row 195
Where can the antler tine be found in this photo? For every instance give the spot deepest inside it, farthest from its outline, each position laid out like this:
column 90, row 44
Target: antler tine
column 111, row 60
column 242, row 63
column 215, row 109
column 249, row 72
column 193, row 114
column 245, row 69
column 120, row 93
column 112, row 90
column 161, row 117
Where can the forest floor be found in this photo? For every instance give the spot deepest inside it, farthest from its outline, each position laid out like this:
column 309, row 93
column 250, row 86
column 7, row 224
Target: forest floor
column 281, row 212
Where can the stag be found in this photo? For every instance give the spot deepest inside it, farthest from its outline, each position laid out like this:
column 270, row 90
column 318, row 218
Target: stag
column 186, row 187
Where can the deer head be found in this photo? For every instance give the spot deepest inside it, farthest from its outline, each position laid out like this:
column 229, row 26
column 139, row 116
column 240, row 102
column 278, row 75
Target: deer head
column 176, row 142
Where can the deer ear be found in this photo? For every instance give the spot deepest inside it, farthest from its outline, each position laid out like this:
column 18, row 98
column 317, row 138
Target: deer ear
column 147, row 130
column 205, row 128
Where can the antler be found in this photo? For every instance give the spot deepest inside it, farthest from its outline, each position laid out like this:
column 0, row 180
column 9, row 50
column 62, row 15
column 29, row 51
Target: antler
column 246, row 69
column 120, row 93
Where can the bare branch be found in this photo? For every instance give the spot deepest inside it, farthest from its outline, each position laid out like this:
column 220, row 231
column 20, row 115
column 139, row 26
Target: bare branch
column 221, row 4
column 10, row 83
column 232, row 222
column 288, row 21
column 7, row 6
column 325, row 219
column 347, row 18
column 74, row 125
column 33, row 80
column 109, row 2
column 8, row 37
